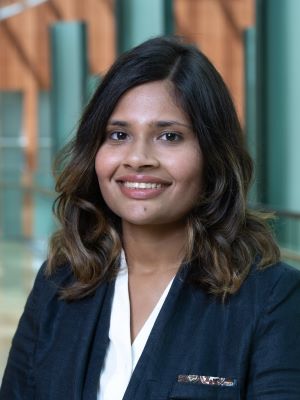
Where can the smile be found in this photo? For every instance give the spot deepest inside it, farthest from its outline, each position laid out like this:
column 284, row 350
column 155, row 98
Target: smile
column 142, row 185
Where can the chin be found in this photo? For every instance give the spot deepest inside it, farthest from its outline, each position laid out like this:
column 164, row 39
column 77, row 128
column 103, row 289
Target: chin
column 140, row 221
column 149, row 221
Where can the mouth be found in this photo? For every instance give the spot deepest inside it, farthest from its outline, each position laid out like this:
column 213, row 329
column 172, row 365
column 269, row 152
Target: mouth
column 142, row 186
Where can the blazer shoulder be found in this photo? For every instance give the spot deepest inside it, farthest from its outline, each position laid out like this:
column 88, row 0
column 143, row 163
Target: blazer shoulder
column 47, row 286
column 274, row 366
column 271, row 284
column 273, row 274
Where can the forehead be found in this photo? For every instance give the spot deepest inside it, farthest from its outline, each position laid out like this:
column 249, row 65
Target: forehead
column 153, row 100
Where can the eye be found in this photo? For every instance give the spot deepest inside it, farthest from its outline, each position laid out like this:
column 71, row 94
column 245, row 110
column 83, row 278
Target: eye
column 171, row 137
column 118, row 135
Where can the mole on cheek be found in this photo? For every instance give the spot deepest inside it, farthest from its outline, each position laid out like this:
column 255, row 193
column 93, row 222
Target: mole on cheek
column 145, row 209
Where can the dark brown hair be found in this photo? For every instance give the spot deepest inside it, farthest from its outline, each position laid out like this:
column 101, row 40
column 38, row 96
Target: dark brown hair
column 224, row 237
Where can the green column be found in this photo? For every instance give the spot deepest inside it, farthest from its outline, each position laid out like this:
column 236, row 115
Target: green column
column 43, row 190
column 278, row 99
column 250, row 110
column 69, row 76
column 139, row 20
column 59, row 113
column 278, row 32
column 12, row 165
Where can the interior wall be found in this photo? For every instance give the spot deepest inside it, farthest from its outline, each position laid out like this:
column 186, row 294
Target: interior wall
column 217, row 27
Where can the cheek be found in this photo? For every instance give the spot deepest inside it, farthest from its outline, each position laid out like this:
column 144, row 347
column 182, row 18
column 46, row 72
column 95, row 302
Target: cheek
column 190, row 170
column 105, row 164
column 103, row 170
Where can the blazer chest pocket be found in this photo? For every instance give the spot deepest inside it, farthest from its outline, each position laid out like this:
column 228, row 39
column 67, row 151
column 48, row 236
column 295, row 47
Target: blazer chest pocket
column 194, row 391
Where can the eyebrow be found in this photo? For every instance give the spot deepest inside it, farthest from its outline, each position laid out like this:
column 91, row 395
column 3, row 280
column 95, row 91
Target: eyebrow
column 159, row 124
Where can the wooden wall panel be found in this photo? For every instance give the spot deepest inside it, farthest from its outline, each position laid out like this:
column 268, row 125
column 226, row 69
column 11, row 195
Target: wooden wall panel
column 24, row 40
column 217, row 27
column 25, row 52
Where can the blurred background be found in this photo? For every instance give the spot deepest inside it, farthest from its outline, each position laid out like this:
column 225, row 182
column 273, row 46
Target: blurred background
column 54, row 52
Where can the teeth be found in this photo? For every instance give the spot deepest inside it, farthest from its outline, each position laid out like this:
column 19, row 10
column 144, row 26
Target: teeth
column 142, row 185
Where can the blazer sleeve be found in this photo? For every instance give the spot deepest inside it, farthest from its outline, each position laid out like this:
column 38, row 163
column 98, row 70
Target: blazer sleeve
column 17, row 383
column 274, row 373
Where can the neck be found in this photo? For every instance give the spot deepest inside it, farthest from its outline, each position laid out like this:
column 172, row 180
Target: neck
column 154, row 249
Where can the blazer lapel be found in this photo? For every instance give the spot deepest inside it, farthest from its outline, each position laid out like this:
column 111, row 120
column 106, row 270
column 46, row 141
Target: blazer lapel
column 98, row 345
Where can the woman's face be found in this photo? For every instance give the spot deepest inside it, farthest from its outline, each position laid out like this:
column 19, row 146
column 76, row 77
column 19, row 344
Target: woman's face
column 150, row 165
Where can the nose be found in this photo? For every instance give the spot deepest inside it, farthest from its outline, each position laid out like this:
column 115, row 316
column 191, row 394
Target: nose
column 140, row 155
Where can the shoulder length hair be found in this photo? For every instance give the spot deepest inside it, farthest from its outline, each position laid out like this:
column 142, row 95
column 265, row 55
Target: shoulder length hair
column 223, row 236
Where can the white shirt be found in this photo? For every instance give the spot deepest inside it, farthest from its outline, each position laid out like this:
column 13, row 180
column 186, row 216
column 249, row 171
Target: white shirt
column 122, row 357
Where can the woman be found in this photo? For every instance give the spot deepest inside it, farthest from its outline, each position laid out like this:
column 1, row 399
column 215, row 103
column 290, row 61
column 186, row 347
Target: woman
column 161, row 283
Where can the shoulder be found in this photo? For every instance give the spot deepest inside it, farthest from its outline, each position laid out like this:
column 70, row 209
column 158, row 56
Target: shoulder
column 62, row 276
column 274, row 288
column 275, row 351
column 279, row 278
column 47, row 287
column 274, row 272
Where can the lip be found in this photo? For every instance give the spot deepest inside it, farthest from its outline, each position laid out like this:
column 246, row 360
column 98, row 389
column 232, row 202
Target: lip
column 139, row 193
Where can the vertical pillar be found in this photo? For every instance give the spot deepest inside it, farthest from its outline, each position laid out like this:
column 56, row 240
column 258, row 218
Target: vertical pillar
column 43, row 188
column 250, row 110
column 139, row 20
column 69, row 74
column 60, row 111
column 169, row 22
column 278, row 32
column 278, row 99
column 11, row 165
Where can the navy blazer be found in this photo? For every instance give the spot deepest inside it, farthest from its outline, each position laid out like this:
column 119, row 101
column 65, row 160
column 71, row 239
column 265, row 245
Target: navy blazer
column 199, row 348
